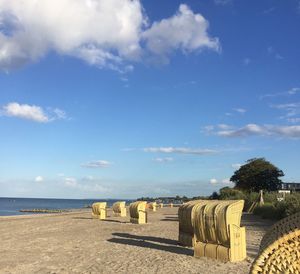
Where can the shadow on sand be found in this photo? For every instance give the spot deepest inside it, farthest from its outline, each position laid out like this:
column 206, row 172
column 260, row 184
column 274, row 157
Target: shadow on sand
column 252, row 251
column 169, row 219
column 141, row 242
column 146, row 238
column 106, row 220
column 115, row 221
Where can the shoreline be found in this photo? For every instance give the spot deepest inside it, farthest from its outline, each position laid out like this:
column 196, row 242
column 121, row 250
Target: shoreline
column 35, row 215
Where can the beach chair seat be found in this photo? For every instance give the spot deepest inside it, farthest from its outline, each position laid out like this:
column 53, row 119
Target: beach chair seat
column 119, row 209
column 99, row 210
column 152, row 206
column 138, row 214
column 185, row 218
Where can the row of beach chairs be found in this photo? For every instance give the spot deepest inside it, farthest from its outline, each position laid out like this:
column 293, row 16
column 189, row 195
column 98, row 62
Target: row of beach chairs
column 213, row 229
column 137, row 210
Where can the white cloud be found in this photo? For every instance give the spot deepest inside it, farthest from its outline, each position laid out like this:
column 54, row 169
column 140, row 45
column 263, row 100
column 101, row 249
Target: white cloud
column 163, row 160
column 39, row 179
column 240, row 110
column 286, row 131
column 226, row 181
column 90, row 30
column 262, row 130
column 291, row 109
column 185, row 30
column 211, row 129
column 105, row 33
column 60, row 114
column 237, row 110
column 250, row 129
column 32, row 112
column 70, row 182
column 97, row 164
column 213, row 181
column 208, row 129
column 223, row 2
column 236, row 166
column 223, row 126
column 24, row 111
column 292, row 91
column 293, row 120
column 180, row 150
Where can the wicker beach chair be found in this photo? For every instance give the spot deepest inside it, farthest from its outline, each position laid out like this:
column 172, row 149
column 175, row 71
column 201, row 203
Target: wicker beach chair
column 280, row 248
column 99, row 210
column 217, row 230
column 138, row 214
column 119, row 209
column 153, row 206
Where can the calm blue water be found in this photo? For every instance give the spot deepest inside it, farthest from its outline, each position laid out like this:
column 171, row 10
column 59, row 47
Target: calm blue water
column 11, row 206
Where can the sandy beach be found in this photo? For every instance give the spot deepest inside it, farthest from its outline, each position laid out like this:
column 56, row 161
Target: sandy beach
column 76, row 243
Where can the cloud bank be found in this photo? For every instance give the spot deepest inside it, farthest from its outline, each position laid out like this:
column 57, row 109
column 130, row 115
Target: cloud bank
column 290, row 92
column 97, row 164
column 163, row 160
column 260, row 130
column 180, row 150
column 82, row 185
column 105, row 33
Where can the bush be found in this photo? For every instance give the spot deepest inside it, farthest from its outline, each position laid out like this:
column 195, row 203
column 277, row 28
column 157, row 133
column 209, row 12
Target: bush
column 267, row 211
column 270, row 197
column 278, row 210
column 228, row 193
column 291, row 204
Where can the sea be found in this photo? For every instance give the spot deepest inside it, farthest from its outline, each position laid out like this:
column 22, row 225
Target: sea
column 12, row 206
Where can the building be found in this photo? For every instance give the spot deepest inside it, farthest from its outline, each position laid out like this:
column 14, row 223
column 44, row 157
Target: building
column 290, row 186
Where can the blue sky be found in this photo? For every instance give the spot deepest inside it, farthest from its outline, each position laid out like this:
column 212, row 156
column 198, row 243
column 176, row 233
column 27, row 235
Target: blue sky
column 120, row 98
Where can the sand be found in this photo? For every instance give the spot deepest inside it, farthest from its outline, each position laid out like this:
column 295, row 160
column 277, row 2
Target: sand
column 76, row 243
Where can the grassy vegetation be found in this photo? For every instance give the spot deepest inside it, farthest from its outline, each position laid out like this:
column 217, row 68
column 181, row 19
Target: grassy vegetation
column 272, row 209
column 278, row 210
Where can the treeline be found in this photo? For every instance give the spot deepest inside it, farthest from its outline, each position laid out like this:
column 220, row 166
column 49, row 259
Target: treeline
column 173, row 199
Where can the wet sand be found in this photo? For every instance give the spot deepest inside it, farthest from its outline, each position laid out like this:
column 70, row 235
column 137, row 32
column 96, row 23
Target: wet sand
column 77, row 243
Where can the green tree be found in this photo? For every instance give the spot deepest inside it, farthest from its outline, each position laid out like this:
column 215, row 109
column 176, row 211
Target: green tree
column 257, row 174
